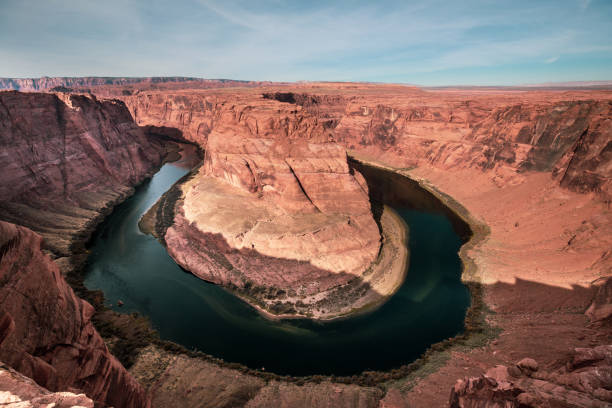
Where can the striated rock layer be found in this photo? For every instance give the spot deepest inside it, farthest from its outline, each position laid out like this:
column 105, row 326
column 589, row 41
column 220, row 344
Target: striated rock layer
column 115, row 85
column 66, row 160
column 46, row 330
column 503, row 132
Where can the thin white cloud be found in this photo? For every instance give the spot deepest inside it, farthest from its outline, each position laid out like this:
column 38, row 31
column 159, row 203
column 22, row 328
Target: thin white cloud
column 277, row 41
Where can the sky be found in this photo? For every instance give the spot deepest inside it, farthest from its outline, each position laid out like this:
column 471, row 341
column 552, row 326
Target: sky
column 431, row 43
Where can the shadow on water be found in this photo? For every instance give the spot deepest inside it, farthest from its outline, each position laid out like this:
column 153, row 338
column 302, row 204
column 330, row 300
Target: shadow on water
column 430, row 306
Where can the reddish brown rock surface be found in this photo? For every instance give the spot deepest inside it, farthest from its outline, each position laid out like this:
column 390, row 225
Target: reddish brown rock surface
column 585, row 382
column 47, row 330
column 17, row 391
column 64, row 158
column 275, row 209
column 499, row 131
column 534, row 167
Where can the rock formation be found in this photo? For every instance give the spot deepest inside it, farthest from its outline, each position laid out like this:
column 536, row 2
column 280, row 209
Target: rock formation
column 586, row 381
column 102, row 83
column 66, row 160
column 46, row 330
column 276, row 214
column 534, row 167
column 506, row 133
column 17, row 390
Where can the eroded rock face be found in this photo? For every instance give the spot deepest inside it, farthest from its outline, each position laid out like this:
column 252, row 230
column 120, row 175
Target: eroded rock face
column 17, row 391
column 586, row 381
column 274, row 210
column 65, row 158
column 46, row 330
column 113, row 85
column 508, row 157
column 504, row 136
column 505, row 133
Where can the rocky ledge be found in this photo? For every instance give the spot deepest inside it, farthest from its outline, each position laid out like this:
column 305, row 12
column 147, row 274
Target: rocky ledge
column 583, row 382
column 18, row 391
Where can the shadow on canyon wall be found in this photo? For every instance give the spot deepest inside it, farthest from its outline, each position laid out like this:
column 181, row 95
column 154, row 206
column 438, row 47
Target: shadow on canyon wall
column 526, row 296
column 396, row 190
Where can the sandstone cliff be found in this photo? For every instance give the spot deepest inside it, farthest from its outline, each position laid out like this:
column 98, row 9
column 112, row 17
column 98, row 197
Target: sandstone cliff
column 506, row 133
column 571, row 137
column 46, row 330
column 19, row 391
column 65, row 158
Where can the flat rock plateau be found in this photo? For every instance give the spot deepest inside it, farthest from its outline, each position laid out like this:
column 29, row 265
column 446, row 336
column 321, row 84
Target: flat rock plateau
column 530, row 171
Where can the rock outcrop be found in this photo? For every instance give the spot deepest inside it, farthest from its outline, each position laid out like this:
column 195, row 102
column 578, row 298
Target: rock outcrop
column 18, row 391
column 504, row 133
column 46, row 330
column 585, row 382
column 569, row 137
column 276, row 213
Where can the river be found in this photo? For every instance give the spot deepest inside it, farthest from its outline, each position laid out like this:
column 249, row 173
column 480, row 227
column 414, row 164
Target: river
column 134, row 268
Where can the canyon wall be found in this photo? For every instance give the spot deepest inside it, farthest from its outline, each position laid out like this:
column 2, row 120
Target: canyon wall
column 46, row 330
column 113, row 83
column 45, row 83
column 282, row 153
column 533, row 166
column 111, row 87
column 569, row 137
column 507, row 133
column 66, row 160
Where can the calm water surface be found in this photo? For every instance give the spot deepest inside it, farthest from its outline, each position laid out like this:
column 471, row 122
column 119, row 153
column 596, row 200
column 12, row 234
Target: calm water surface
column 130, row 266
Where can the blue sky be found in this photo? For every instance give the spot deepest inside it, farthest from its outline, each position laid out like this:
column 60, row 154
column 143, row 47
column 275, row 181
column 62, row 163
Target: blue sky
column 478, row 42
